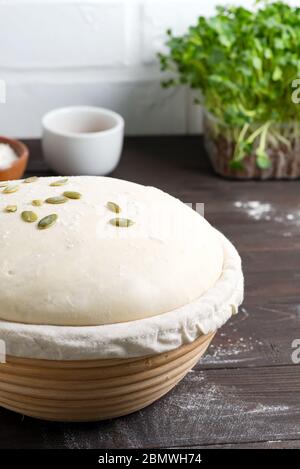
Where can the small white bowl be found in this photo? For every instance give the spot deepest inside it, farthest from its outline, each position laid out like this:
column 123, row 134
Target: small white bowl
column 82, row 140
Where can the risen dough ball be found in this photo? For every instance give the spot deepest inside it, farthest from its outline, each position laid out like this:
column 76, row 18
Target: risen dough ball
column 85, row 271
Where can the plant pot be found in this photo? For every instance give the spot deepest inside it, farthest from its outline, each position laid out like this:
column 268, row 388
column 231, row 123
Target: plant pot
column 220, row 145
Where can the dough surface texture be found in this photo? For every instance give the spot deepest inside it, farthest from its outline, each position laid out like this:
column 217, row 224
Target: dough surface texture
column 85, row 271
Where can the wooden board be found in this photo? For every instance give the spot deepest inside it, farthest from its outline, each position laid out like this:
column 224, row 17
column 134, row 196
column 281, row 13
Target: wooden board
column 246, row 391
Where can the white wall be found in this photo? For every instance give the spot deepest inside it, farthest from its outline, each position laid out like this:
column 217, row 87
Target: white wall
column 99, row 52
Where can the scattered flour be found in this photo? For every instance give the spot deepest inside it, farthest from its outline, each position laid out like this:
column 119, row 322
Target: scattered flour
column 267, row 212
column 230, row 349
column 269, row 408
column 224, row 410
column 255, row 209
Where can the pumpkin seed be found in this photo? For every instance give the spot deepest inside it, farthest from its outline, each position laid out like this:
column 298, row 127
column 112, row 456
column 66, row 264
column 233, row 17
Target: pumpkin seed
column 10, row 189
column 37, row 203
column 47, row 221
column 113, row 207
column 29, row 217
column 72, row 195
column 121, row 222
column 60, row 182
column 56, row 200
column 11, row 208
column 3, row 184
column 31, row 179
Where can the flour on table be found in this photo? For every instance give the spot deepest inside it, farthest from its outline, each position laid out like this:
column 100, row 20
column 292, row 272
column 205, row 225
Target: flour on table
column 267, row 212
column 269, row 408
column 230, row 353
column 255, row 209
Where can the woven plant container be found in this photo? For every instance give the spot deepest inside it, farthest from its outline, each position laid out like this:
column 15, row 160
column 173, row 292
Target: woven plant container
column 93, row 390
column 285, row 159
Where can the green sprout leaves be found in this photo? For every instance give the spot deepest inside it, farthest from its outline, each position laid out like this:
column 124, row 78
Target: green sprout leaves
column 243, row 63
column 262, row 159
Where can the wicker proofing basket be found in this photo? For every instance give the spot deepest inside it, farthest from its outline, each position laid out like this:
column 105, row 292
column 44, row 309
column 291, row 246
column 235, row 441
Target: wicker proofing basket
column 93, row 389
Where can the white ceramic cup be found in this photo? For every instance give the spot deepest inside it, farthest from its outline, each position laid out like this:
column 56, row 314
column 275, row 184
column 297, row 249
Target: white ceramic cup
column 82, row 140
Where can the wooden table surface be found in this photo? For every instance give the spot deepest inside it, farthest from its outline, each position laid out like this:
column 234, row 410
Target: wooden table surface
column 246, row 391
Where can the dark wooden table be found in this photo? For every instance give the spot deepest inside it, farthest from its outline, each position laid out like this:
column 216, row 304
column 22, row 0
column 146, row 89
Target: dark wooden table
column 246, row 391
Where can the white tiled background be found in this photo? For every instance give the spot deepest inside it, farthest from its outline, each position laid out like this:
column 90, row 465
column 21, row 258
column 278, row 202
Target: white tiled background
column 99, row 52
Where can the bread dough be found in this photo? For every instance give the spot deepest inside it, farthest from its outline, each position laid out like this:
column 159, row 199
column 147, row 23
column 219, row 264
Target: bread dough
column 84, row 271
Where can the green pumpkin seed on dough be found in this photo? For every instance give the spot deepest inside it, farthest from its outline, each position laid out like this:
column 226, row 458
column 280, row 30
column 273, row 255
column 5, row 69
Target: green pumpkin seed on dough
column 60, row 199
column 121, row 222
column 60, row 182
column 31, row 179
column 29, row 217
column 10, row 189
column 47, row 221
column 11, row 208
column 37, row 203
column 72, row 195
column 113, row 207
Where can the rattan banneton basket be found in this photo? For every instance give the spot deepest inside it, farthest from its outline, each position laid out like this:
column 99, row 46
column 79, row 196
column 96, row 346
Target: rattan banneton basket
column 92, row 390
